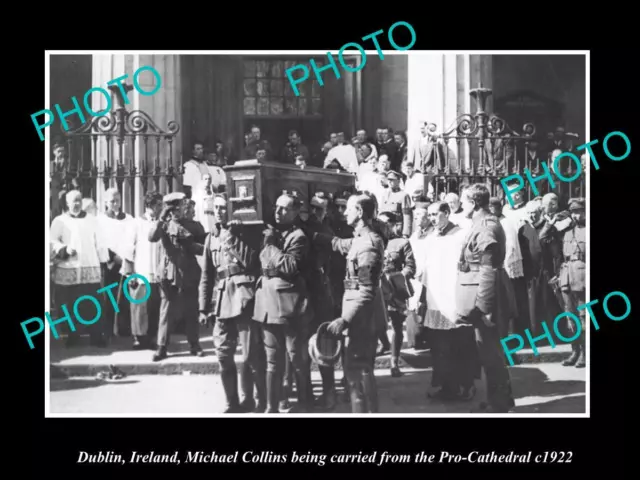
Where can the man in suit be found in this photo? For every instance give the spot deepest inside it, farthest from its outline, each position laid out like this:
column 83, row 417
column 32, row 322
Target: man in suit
column 281, row 301
column 484, row 297
column 227, row 290
column 365, row 254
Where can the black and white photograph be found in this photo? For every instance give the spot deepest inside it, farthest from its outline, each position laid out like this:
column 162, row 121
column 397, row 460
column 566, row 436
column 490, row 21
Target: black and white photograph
column 300, row 233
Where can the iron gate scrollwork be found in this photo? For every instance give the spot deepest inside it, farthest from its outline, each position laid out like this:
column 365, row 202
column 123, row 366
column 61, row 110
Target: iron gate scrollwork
column 487, row 149
column 119, row 142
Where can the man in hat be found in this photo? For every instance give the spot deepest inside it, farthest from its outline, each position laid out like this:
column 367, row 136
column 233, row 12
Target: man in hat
column 397, row 201
column 572, row 278
column 483, row 295
column 227, row 291
column 320, row 292
column 399, row 269
column 281, row 304
column 365, row 254
column 190, row 298
column 178, row 274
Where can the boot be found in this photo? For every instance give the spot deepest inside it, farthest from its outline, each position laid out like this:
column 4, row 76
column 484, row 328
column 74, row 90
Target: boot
column 356, row 391
column 582, row 358
column 395, row 367
column 160, row 354
column 370, row 388
column 230, row 385
column 328, row 399
column 261, row 392
column 274, row 386
column 302, row 390
column 248, row 404
column 573, row 358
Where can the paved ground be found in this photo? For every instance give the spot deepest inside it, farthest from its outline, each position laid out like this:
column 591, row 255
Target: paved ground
column 538, row 388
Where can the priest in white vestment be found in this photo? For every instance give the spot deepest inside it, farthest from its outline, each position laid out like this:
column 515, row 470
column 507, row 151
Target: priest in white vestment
column 78, row 256
column 145, row 258
column 115, row 228
column 455, row 360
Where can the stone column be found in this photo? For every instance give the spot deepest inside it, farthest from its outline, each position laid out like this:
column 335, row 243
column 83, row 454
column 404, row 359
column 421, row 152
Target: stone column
column 438, row 86
column 161, row 108
column 105, row 153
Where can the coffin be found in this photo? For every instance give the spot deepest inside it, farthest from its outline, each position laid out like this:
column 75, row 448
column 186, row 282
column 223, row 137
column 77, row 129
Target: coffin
column 253, row 187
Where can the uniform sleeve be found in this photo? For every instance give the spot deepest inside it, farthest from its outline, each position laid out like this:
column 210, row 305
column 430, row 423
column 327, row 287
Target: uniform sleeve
column 287, row 262
column 207, row 278
column 409, row 270
column 487, row 245
column 369, row 268
column 337, row 244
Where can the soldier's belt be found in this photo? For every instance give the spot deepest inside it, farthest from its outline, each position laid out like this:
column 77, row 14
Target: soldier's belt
column 270, row 272
column 575, row 258
column 467, row 267
column 229, row 271
column 351, row 284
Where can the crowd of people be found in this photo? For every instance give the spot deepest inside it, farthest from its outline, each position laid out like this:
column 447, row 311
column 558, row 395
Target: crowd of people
column 459, row 271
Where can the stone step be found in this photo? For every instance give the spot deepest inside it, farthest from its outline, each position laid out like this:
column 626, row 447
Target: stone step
column 85, row 361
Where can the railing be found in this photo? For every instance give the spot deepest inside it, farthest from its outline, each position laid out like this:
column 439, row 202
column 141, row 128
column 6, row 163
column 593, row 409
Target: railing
column 483, row 148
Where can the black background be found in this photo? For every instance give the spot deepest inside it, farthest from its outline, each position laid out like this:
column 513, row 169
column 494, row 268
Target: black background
column 51, row 446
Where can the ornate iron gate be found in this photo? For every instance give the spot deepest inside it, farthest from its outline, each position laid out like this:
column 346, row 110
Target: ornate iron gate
column 124, row 146
column 486, row 149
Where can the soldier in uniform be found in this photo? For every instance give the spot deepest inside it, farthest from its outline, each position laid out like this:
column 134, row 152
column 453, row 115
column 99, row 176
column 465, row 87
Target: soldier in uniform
column 397, row 201
column 178, row 274
column 320, row 294
column 365, row 254
column 338, row 263
column 227, row 290
column 483, row 294
column 281, row 301
column 399, row 269
column 573, row 276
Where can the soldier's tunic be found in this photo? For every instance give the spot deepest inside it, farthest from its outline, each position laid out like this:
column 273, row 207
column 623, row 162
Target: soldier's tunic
column 398, row 201
column 365, row 254
column 338, row 267
column 227, row 291
column 281, row 306
column 398, row 258
column 573, row 274
column 483, row 290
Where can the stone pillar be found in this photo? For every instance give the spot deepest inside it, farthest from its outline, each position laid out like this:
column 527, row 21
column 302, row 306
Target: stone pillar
column 161, row 108
column 438, row 86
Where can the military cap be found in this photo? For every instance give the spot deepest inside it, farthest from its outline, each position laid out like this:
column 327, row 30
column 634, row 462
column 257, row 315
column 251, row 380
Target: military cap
column 174, row 197
column 392, row 216
column 422, row 205
column 576, row 204
column 393, row 174
column 320, row 199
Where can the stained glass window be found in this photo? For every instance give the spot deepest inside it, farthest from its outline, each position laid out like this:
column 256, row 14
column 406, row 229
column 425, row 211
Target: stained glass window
column 268, row 92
